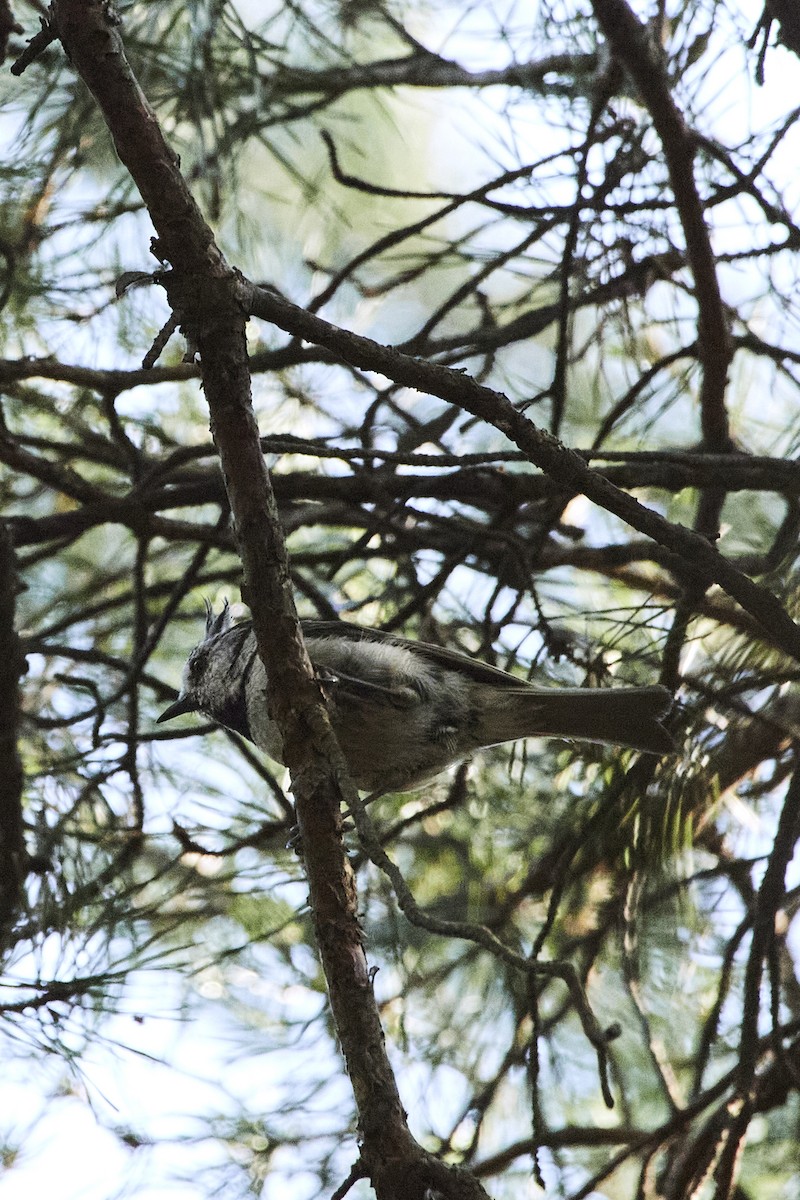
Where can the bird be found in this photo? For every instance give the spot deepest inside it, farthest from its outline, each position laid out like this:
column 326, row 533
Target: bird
column 405, row 710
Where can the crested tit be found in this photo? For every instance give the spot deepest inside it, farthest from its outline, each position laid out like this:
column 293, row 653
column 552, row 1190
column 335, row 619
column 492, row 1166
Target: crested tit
column 402, row 710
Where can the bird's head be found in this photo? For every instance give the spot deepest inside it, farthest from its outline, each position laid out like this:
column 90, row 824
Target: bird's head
column 210, row 675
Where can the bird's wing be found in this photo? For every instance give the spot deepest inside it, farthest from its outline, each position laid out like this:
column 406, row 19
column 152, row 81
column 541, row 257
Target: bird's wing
column 451, row 660
column 339, row 684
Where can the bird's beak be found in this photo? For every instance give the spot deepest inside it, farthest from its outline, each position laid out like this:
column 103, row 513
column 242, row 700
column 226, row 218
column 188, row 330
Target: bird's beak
column 183, row 704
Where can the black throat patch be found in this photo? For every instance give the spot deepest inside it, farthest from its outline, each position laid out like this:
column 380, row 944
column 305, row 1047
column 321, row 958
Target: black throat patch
column 233, row 714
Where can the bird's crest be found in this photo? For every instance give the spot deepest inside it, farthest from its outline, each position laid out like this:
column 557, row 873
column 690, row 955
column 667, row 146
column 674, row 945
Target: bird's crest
column 220, row 623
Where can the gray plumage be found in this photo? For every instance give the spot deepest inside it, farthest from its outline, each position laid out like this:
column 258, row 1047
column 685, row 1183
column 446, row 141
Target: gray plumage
column 403, row 710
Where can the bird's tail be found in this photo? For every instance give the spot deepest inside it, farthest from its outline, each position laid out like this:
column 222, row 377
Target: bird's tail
column 617, row 716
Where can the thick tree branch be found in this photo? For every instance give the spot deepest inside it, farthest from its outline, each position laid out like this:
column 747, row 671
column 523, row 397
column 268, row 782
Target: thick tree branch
column 786, row 14
column 201, row 292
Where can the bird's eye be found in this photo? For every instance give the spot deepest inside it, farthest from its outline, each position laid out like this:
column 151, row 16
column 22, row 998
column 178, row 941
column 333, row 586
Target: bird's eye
column 196, row 665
